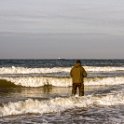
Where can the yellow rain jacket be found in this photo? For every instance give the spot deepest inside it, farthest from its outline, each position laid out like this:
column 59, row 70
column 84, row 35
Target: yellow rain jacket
column 78, row 73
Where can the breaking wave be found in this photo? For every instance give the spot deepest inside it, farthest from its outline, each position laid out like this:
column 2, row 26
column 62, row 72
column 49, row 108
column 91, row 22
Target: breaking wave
column 4, row 83
column 58, row 76
column 57, row 82
column 59, row 104
column 23, row 70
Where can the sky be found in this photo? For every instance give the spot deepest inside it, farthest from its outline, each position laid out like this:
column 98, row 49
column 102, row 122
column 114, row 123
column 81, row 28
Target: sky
column 50, row 29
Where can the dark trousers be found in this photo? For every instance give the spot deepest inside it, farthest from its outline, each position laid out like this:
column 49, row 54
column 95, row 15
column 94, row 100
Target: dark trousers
column 80, row 86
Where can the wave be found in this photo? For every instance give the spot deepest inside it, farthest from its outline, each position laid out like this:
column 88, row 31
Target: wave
column 23, row 70
column 4, row 83
column 57, row 82
column 39, row 81
column 59, row 104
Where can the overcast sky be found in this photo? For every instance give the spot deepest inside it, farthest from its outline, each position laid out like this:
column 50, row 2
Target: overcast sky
column 62, row 28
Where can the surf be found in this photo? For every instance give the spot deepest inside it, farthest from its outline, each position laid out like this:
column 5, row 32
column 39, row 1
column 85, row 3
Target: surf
column 26, row 70
column 57, row 82
column 59, row 104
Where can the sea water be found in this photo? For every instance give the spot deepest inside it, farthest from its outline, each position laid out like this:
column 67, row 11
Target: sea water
column 39, row 92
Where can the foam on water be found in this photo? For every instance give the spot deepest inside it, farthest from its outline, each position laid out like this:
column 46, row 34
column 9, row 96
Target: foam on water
column 60, row 104
column 23, row 70
column 61, row 82
column 39, row 81
column 105, row 103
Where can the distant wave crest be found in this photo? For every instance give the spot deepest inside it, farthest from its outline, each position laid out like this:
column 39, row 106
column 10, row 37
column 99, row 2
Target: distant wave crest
column 23, row 70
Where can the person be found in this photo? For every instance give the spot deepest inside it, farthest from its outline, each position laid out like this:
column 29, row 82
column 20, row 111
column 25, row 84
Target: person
column 77, row 74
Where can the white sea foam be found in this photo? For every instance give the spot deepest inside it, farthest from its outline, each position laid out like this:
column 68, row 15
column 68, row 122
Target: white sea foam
column 105, row 81
column 61, row 82
column 39, row 81
column 104, row 69
column 22, row 70
column 60, row 104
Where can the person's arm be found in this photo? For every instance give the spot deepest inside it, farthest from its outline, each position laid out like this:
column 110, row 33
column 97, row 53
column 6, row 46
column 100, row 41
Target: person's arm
column 71, row 73
column 84, row 72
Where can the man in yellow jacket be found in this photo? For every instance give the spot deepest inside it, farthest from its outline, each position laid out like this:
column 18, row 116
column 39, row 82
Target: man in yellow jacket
column 78, row 73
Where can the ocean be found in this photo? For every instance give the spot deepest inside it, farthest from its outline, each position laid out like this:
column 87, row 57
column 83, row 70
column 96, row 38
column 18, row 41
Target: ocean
column 39, row 92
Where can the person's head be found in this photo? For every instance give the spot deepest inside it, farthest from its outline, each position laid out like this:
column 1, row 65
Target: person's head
column 78, row 61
